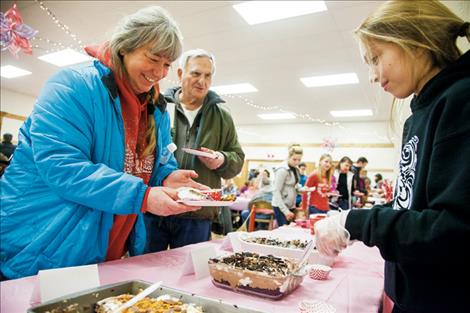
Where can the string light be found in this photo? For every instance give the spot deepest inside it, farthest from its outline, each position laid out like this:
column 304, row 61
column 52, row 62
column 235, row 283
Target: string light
column 61, row 25
column 304, row 116
column 246, row 101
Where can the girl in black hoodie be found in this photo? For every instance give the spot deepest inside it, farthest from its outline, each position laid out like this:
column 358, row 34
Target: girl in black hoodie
column 424, row 234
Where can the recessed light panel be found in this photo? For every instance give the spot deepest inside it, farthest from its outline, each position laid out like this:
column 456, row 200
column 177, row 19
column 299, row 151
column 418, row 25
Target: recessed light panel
column 351, row 113
column 257, row 12
column 330, row 80
column 277, row 116
column 65, row 57
column 10, row 71
column 234, row 89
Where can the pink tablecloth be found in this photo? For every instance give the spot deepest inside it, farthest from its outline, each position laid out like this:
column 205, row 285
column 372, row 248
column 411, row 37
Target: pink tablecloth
column 355, row 284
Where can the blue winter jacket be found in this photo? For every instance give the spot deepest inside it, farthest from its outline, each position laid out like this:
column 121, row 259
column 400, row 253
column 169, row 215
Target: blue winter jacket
column 66, row 179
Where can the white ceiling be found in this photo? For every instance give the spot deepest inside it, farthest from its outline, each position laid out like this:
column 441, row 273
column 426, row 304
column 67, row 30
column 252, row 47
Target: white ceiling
column 271, row 56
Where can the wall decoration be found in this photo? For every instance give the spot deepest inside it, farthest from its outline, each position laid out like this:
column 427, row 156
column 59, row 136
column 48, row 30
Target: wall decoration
column 15, row 36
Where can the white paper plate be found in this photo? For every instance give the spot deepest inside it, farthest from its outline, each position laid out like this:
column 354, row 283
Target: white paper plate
column 206, row 203
column 200, row 153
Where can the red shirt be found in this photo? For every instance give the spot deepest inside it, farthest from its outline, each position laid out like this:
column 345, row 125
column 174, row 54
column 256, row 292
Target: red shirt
column 318, row 198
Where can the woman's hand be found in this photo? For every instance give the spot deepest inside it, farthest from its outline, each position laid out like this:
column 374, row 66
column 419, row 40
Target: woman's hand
column 162, row 201
column 290, row 216
column 183, row 178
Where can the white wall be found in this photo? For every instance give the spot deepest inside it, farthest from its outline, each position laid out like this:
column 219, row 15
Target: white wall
column 270, row 142
column 261, row 142
column 14, row 103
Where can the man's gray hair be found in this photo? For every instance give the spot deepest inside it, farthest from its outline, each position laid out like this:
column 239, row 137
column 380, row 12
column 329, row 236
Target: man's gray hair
column 152, row 25
column 196, row 53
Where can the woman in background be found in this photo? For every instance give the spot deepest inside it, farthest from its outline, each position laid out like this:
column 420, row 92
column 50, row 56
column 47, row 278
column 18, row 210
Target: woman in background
column 286, row 180
column 344, row 178
column 320, row 179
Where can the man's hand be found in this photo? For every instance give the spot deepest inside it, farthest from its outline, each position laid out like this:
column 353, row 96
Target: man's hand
column 183, row 178
column 212, row 164
column 162, row 201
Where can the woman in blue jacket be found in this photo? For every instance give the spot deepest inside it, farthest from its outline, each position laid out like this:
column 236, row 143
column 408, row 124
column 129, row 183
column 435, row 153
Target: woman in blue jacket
column 97, row 139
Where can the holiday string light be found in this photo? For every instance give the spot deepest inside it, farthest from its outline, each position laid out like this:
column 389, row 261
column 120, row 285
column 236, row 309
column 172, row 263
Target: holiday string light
column 304, row 116
column 59, row 24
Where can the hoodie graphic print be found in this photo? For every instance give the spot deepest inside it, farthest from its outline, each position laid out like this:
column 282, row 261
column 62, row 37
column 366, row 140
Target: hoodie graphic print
column 406, row 178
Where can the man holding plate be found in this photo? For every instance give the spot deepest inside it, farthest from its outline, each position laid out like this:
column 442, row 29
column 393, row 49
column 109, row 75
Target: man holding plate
column 207, row 142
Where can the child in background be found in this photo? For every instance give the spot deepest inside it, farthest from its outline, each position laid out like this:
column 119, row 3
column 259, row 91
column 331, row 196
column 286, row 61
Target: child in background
column 321, row 180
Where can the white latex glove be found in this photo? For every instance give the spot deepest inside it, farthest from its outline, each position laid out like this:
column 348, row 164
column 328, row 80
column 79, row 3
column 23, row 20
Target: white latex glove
column 183, row 178
column 330, row 235
column 162, row 201
column 212, row 164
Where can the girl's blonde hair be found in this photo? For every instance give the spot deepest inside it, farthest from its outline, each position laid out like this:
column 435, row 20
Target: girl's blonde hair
column 328, row 173
column 295, row 149
column 416, row 24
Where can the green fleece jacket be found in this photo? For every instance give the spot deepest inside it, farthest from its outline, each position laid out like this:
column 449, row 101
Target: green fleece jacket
column 213, row 128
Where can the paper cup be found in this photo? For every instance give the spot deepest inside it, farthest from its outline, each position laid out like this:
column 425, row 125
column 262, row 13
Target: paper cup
column 315, row 306
column 313, row 219
column 319, row 271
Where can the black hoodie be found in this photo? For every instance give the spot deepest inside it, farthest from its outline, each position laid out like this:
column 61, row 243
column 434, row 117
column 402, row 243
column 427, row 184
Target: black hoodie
column 424, row 235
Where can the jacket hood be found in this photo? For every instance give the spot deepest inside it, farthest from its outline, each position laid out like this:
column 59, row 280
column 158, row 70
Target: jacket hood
column 446, row 77
column 172, row 95
column 283, row 165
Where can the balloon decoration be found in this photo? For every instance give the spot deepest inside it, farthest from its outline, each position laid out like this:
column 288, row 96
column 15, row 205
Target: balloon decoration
column 328, row 144
column 15, row 35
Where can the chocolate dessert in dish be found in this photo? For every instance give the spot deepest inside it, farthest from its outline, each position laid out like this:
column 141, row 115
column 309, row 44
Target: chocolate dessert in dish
column 291, row 244
column 262, row 275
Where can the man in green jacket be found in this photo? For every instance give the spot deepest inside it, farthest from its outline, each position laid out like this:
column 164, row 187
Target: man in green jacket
column 198, row 122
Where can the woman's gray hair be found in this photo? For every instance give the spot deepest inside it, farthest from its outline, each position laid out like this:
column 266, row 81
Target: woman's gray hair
column 152, row 25
column 196, row 53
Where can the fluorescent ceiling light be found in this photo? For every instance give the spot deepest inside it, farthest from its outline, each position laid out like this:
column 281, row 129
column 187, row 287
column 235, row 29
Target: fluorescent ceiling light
column 277, row 116
column 10, row 71
column 65, row 57
column 257, row 12
column 233, row 89
column 330, row 80
column 351, row 113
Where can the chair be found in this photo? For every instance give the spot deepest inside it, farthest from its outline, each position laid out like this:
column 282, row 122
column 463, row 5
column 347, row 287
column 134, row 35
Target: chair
column 262, row 212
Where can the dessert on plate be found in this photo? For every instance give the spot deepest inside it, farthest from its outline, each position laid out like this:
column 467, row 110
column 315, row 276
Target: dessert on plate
column 162, row 304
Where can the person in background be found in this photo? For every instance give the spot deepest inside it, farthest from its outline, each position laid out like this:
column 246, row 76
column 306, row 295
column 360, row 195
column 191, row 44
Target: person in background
column 344, row 178
column 265, row 193
column 199, row 122
column 253, row 173
column 378, row 180
column 410, row 48
column 251, row 190
column 7, row 147
column 302, row 181
column 229, row 187
column 286, row 180
column 6, row 151
column 320, row 179
column 90, row 155
column 244, row 187
column 360, row 164
column 302, row 174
